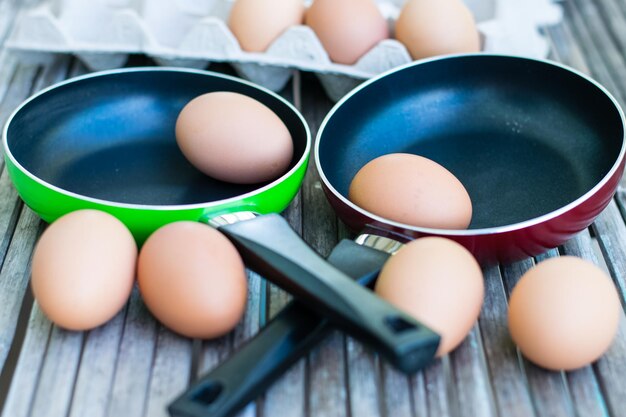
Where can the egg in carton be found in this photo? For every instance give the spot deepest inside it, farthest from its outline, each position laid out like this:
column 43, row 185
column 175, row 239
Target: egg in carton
column 193, row 33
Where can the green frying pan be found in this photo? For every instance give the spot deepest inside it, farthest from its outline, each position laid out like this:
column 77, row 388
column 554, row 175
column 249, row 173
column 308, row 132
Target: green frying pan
column 106, row 141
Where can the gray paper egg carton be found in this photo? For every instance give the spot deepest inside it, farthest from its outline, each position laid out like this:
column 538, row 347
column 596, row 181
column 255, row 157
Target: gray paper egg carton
column 194, row 33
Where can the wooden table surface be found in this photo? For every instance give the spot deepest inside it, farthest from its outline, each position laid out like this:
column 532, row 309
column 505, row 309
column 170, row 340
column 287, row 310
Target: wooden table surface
column 132, row 366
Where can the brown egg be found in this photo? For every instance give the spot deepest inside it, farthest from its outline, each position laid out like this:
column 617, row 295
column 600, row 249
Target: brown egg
column 257, row 23
column 348, row 28
column 564, row 313
column 192, row 279
column 412, row 190
column 234, row 138
column 83, row 269
column 429, row 28
column 438, row 282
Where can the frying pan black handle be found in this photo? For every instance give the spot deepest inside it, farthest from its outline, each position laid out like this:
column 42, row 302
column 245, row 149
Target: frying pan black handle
column 285, row 339
column 270, row 247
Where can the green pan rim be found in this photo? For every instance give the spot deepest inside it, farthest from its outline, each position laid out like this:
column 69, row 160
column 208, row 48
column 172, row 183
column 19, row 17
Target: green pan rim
column 109, row 203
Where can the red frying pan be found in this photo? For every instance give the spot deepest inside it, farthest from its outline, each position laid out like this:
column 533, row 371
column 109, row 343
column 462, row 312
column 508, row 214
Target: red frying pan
column 538, row 146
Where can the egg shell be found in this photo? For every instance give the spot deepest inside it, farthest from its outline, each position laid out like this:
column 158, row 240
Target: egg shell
column 429, row 28
column 564, row 313
column 348, row 28
column 83, row 269
column 257, row 23
column 438, row 282
column 413, row 190
column 234, row 138
column 192, row 279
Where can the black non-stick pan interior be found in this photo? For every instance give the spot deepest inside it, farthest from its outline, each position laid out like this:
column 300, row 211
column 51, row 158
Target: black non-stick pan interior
column 524, row 137
column 112, row 136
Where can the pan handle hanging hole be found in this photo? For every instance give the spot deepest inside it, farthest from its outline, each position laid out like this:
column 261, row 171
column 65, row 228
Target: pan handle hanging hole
column 208, row 393
column 399, row 324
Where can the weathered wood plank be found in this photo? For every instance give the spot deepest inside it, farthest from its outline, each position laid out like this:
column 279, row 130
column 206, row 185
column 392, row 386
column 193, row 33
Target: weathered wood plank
column 134, row 361
column 56, row 381
column 249, row 326
column 420, row 400
column 8, row 11
column 612, row 16
column 8, row 65
column 441, row 399
column 10, row 205
column 327, row 377
column 320, row 230
column 611, row 232
column 602, row 19
column 287, row 396
column 564, row 47
column 508, row 380
column 24, row 382
column 213, row 352
column 622, row 6
column 611, row 368
column 20, row 87
column 468, row 363
column 396, row 391
column 585, row 392
column 92, row 388
column 171, row 371
column 14, row 277
column 363, row 380
column 549, row 390
column 583, row 18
